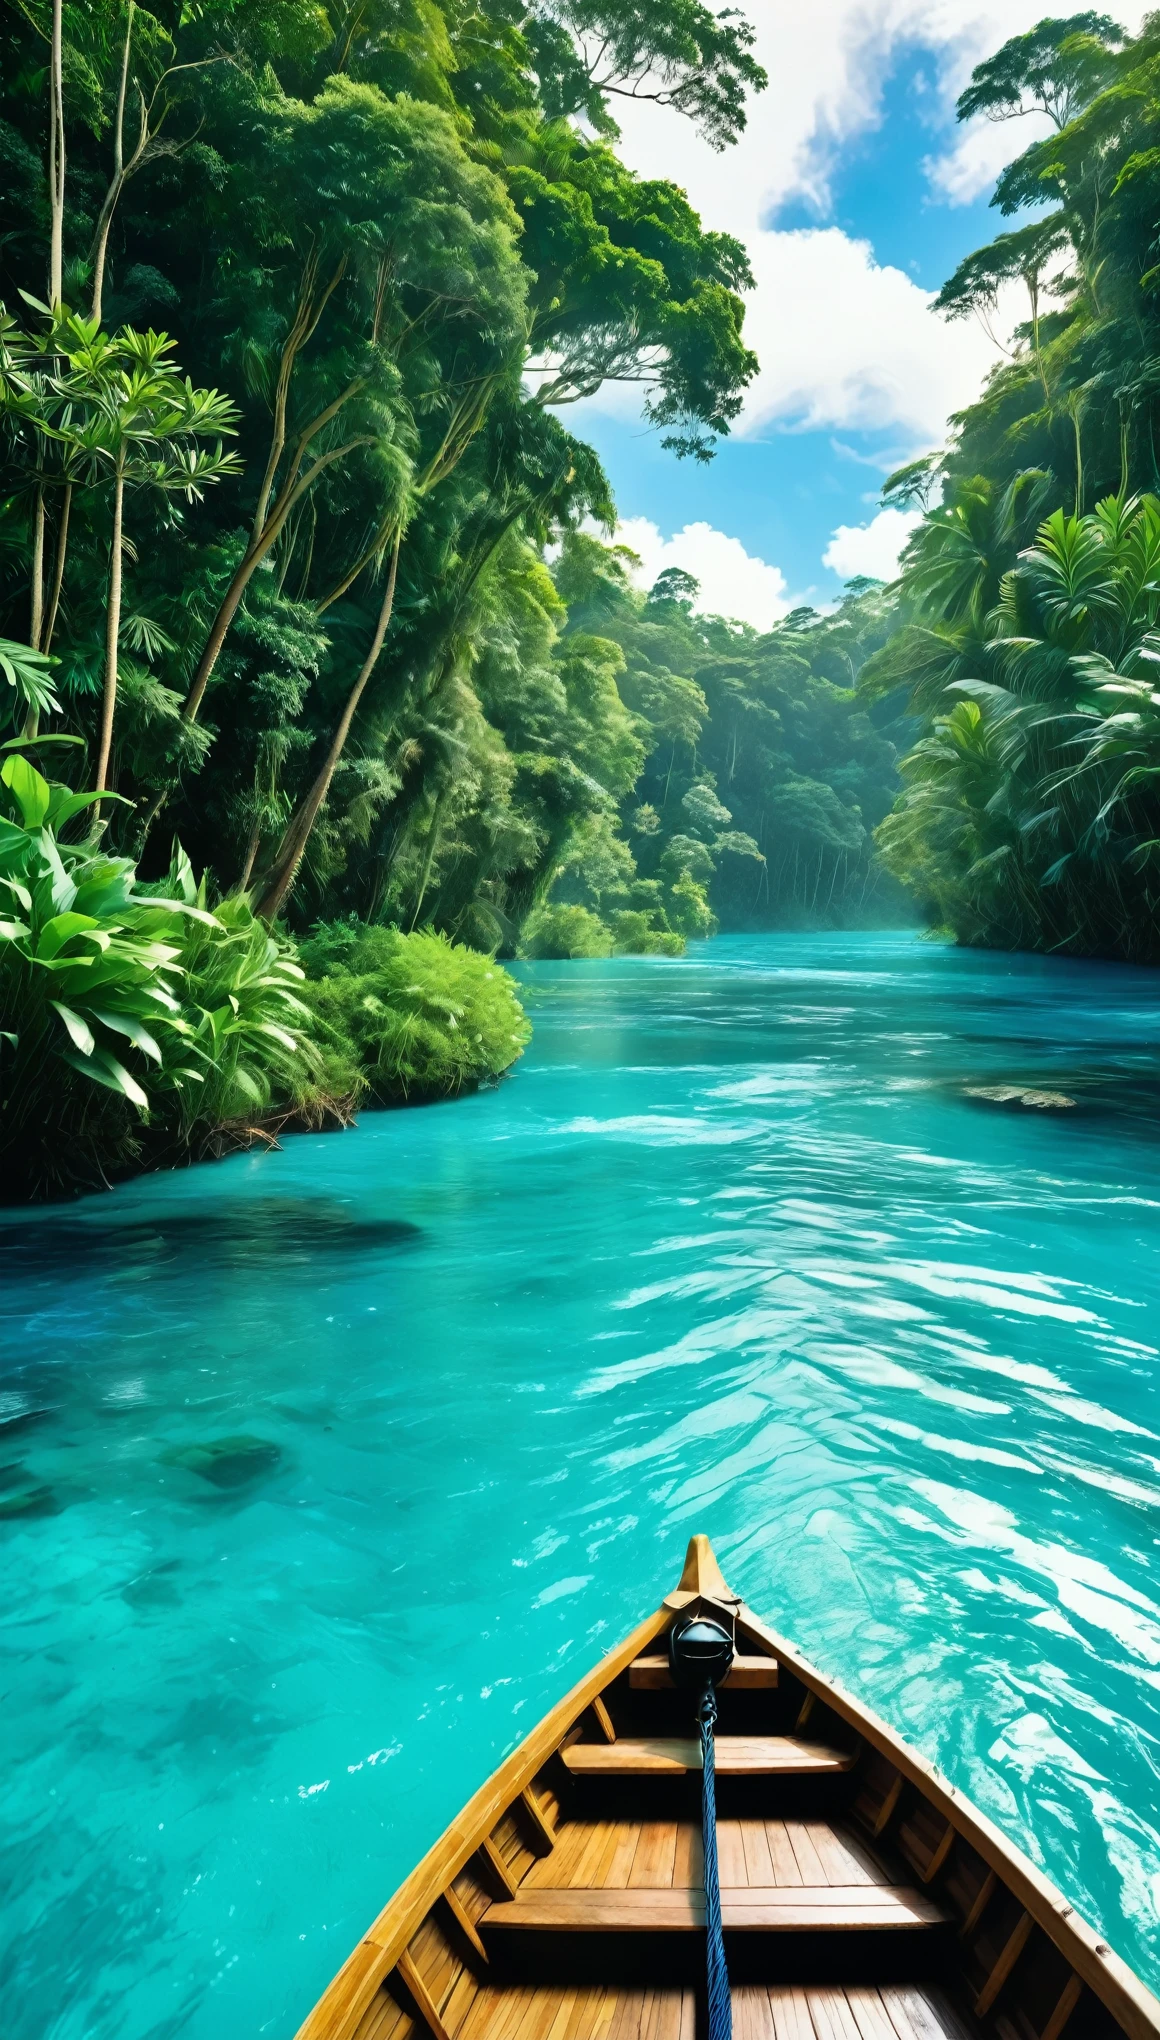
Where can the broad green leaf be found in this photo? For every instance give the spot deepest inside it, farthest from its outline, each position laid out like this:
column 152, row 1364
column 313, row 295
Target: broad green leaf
column 277, row 1034
column 32, row 792
column 104, row 1068
column 79, row 1030
column 50, row 737
column 61, row 929
column 123, row 1023
column 64, row 805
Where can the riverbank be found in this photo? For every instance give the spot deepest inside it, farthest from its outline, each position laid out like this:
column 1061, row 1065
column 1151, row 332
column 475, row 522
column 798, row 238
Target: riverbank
column 731, row 1248
column 141, row 1026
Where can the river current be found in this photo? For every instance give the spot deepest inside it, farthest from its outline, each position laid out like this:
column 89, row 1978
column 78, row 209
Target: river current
column 324, row 1471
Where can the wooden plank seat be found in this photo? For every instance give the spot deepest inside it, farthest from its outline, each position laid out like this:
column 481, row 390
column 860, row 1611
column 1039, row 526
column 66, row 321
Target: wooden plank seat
column 737, row 1756
column 768, row 1909
column 760, row 2012
column 748, row 1674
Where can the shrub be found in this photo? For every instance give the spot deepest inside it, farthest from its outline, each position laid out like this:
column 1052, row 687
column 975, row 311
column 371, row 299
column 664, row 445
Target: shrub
column 241, row 988
column 420, row 1015
column 634, row 935
column 564, row 931
column 688, row 909
column 123, row 1010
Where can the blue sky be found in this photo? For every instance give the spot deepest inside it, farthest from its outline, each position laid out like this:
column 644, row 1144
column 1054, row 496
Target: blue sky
column 856, row 194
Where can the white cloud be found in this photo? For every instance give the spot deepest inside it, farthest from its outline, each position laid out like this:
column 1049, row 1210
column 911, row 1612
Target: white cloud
column 846, row 342
column 842, row 340
column 733, row 581
column 871, row 549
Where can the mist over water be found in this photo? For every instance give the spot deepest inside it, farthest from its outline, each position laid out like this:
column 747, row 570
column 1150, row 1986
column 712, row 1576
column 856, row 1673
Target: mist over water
column 322, row 1472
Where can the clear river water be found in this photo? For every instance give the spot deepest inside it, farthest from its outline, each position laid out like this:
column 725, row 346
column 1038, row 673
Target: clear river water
column 324, row 1471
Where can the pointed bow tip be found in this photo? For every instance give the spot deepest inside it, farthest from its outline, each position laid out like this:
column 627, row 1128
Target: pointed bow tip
column 702, row 1574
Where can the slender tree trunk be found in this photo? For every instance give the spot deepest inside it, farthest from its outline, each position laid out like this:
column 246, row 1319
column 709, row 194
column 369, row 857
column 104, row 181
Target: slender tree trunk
column 112, row 639
column 282, row 873
column 290, row 494
column 1077, row 421
column 252, row 848
column 58, row 567
column 36, row 618
column 36, row 604
column 101, row 239
column 56, row 161
column 1125, row 434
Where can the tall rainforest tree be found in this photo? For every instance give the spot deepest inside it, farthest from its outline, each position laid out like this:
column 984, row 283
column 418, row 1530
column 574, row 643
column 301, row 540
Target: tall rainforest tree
column 387, row 242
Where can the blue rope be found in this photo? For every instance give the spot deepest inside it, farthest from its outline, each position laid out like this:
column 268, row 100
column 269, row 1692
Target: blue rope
column 720, row 2000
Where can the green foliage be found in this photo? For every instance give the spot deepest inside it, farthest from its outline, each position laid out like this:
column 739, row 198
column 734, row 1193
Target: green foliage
column 392, row 242
column 422, row 1016
column 675, row 52
column 29, row 675
column 1028, row 617
column 124, row 1008
column 251, row 1027
column 560, row 930
column 1029, row 818
column 1055, row 69
column 340, row 674
column 764, row 772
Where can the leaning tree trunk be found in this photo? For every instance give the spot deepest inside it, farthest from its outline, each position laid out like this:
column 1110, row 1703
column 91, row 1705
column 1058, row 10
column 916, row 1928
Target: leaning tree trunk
column 58, row 569
column 277, row 881
column 112, row 639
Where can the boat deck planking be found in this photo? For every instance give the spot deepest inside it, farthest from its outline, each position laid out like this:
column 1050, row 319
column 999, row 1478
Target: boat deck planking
column 863, row 1898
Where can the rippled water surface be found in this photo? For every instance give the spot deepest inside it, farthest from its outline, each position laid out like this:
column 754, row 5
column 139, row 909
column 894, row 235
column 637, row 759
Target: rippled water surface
column 324, row 1471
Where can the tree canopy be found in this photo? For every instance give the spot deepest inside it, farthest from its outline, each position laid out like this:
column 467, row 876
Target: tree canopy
column 291, row 595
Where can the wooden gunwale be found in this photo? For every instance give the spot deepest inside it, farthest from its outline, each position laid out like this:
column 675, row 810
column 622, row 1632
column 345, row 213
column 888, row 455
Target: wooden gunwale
column 1118, row 1988
column 383, row 1948
column 343, row 2003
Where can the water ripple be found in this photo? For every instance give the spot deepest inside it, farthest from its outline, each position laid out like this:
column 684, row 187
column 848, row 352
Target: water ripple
column 324, row 1471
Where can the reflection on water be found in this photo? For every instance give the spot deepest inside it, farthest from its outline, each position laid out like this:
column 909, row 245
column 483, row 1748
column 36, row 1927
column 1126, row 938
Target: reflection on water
column 322, row 1472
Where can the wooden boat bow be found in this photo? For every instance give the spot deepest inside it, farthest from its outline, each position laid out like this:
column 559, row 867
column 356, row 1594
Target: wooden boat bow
column 863, row 1897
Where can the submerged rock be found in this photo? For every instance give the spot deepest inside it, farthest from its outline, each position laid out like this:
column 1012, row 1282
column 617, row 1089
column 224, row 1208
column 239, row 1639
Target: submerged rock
column 228, row 1462
column 1014, row 1094
column 21, row 1495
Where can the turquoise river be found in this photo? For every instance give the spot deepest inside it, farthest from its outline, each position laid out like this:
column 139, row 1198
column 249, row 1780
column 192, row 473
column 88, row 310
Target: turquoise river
column 734, row 1250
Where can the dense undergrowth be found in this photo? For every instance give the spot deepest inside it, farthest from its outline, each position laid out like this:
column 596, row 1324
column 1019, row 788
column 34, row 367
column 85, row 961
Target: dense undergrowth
column 141, row 1028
